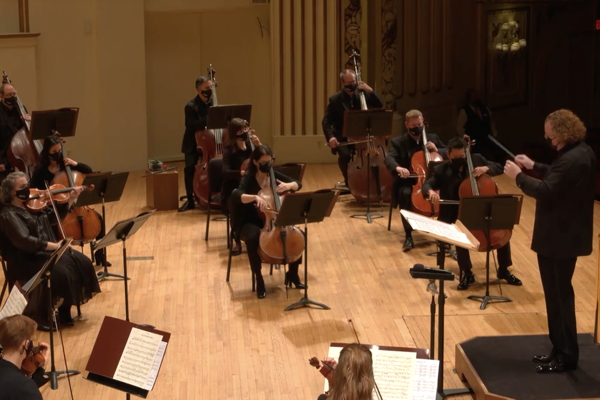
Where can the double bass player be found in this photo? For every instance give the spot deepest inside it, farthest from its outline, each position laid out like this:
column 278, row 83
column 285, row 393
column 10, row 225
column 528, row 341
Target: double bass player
column 10, row 123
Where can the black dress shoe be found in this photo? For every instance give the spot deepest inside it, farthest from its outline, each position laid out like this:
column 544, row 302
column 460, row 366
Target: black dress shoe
column 289, row 280
column 408, row 243
column 467, row 279
column 261, row 292
column 188, row 205
column 237, row 250
column 543, row 359
column 510, row 278
column 554, row 366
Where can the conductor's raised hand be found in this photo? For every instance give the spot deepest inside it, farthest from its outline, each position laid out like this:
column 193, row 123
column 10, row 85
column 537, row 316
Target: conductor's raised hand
column 511, row 169
column 524, row 162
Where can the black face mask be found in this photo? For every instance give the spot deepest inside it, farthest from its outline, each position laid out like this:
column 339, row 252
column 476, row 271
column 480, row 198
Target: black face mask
column 264, row 167
column 457, row 163
column 549, row 141
column 351, row 87
column 23, row 194
column 11, row 101
column 242, row 137
column 207, row 93
column 416, row 131
column 55, row 156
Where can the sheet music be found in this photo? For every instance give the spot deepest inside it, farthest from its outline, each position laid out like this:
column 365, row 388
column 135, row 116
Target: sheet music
column 156, row 366
column 439, row 228
column 426, row 376
column 138, row 358
column 15, row 304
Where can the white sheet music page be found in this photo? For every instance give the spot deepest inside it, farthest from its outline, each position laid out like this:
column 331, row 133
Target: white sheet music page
column 15, row 304
column 426, row 376
column 138, row 358
column 156, row 366
column 425, row 224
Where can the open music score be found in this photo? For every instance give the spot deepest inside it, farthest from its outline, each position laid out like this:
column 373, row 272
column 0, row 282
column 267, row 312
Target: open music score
column 456, row 233
column 14, row 304
column 400, row 375
column 137, row 359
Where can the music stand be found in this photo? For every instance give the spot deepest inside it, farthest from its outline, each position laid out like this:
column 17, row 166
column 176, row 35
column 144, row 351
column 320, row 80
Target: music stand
column 120, row 233
column 44, row 123
column 487, row 213
column 219, row 117
column 373, row 123
column 45, row 274
column 305, row 208
column 108, row 187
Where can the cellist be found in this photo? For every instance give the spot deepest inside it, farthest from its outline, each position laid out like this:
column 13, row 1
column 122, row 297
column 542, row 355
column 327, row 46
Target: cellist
column 196, row 113
column 446, row 178
column 10, row 123
column 402, row 148
column 245, row 218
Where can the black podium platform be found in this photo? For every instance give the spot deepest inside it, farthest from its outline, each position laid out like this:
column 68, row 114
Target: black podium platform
column 500, row 367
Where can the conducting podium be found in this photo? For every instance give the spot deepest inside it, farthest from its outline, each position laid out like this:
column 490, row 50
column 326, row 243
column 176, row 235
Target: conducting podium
column 368, row 124
column 127, row 357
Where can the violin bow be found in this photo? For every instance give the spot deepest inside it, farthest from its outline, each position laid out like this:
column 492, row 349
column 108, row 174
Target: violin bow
column 54, row 208
column 358, row 341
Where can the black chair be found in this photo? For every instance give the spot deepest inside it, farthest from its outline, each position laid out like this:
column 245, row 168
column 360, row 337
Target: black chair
column 215, row 182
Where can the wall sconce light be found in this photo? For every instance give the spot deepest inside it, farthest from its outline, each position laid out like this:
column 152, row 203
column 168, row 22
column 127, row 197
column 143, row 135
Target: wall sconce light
column 506, row 37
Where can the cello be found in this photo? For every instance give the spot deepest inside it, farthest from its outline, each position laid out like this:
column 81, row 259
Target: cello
column 420, row 166
column 369, row 158
column 210, row 144
column 23, row 153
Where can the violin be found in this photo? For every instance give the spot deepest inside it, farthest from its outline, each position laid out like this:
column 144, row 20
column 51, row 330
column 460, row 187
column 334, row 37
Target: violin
column 324, row 368
column 40, row 200
column 420, row 165
column 33, row 361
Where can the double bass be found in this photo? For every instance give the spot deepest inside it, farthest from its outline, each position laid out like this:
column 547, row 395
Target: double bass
column 210, row 144
column 420, row 165
column 23, row 153
column 369, row 158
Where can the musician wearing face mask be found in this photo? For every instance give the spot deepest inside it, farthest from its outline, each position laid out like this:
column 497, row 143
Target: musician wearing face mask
column 237, row 150
column 398, row 162
column 10, row 123
column 447, row 178
column 196, row 113
column 333, row 121
column 16, row 344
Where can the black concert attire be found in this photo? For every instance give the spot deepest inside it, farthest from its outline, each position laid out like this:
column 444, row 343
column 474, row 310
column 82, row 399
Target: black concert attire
column 42, row 176
column 563, row 231
column 196, row 113
column 333, row 123
column 400, row 153
column 16, row 386
column 447, row 180
column 247, row 224
column 23, row 239
column 10, row 123
column 476, row 121
column 233, row 158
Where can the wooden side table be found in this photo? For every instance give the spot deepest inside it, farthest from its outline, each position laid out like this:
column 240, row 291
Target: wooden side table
column 162, row 190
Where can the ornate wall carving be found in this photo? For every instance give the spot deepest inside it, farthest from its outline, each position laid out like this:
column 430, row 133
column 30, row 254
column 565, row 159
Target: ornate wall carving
column 389, row 33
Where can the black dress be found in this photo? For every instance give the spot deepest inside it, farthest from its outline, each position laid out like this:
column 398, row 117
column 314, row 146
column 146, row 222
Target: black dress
column 23, row 239
column 233, row 158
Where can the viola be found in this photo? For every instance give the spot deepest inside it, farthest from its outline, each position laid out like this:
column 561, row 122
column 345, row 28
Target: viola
column 210, row 144
column 277, row 245
column 33, row 360
column 420, row 166
column 40, row 200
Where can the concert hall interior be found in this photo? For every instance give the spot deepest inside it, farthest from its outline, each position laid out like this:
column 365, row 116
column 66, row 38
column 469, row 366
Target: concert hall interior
column 130, row 67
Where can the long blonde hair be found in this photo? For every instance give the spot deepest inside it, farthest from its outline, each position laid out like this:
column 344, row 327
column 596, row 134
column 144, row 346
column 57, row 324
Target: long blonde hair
column 353, row 376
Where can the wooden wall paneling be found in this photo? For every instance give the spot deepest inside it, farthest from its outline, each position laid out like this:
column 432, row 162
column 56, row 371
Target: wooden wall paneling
column 309, row 92
column 298, row 67
column 288, row 65
column 277, row 68
column 447, row 50
column 424, row 44
column 437, row 44
column 332, row 45
column 400, row 67
column 320, row 63
column 410, row 41
column 389, row 52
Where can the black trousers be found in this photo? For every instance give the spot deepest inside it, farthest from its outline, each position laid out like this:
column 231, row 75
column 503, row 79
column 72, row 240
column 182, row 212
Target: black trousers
column 556, row 277
column 191, row 159
column 504, row 259
column 100, row 255
column 344, row 154
column 403, row 199
column 250, row 234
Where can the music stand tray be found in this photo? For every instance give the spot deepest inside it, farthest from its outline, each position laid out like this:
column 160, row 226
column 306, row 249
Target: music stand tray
column 47, row 267
column 369, row 123
column 487, row 213
column 107, row 188
column 305, row 208
column 45, row 122
column 219, row 117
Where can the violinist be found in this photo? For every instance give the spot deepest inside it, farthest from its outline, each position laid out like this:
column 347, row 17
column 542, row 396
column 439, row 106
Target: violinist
column 333, row 121
column 447, row 178
column 10, row 123
column 16, row 344
column 245, row 204
column 563, row 228
column 52, row 161
column 196, row 113
column 398, row 162
column 237, row 150
column 26, row 243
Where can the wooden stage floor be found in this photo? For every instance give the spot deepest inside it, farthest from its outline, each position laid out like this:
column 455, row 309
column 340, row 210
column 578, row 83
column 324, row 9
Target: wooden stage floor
column 227, row 344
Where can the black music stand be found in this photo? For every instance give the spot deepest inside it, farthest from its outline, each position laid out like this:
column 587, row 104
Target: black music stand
column 305, row 208
column 108, row 187
column 120, row 233
column 44, row 123
column 219, row 117
column 442, row 275
column 487, row 213
column 44, row 275
column 373, row 123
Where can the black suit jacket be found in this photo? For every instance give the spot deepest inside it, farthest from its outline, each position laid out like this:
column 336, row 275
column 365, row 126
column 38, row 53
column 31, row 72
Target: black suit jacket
column 333, row 121
column 196, row 113
column 447, row 181
column 10, row 123
column 564, row 213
